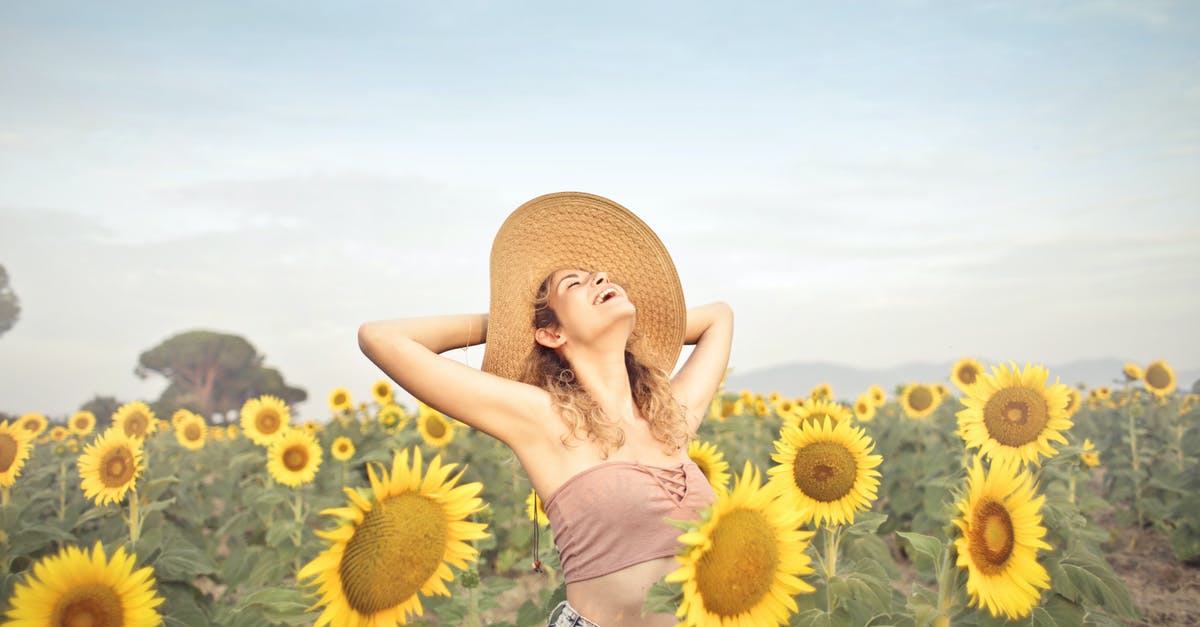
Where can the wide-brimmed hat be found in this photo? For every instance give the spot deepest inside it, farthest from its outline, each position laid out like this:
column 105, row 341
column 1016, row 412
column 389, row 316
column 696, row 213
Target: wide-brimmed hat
column 578, row 230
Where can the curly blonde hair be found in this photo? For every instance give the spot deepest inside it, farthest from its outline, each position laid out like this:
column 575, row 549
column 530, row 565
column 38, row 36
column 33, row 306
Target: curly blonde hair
column 651, row 387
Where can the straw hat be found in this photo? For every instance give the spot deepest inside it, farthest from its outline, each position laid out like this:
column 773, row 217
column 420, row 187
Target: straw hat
column 578, row 230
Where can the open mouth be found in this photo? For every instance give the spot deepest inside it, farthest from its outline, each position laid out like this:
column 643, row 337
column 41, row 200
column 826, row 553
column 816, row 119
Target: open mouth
column 605, row 296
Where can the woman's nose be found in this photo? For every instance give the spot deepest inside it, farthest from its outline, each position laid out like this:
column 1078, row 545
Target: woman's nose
column 599, row 278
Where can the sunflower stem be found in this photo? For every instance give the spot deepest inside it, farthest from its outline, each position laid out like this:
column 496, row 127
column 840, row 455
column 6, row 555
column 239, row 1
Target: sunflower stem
column 832, row 536
column 135, row 523
column 945, row 577
column 62, row 490
column 298, row 534
column 4, row 496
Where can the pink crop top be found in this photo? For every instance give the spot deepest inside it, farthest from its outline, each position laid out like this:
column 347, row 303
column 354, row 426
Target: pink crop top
column 612, row 515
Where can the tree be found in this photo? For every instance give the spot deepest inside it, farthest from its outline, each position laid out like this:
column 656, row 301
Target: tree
column 10, row 306
column 211, row 373
column 103, row 407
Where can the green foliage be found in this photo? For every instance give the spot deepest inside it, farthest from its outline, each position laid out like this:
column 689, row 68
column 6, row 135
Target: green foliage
column 10, row 305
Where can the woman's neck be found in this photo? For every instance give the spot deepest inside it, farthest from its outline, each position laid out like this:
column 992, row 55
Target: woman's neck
column 606, row 379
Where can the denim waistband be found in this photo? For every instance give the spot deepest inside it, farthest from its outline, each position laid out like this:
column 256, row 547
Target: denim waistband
column 568, row 617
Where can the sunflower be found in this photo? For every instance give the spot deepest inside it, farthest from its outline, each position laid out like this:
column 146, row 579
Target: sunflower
column 1160, row 378
column 135, row 419
column 742, row 561
column 1001, row 523
column 396, row 545
column 231, row 431
column 964, row 373
column 821, row 391
column 878, row 396
column 1013, row 413
column 435, row 429
column 826, row 469
column 342, row 449
column 864, row 408
column 815, row 412
column 311, row 427
column 392, row 417
column 541, row 517
column 1104, row 393
column 1090, row 457
column 218, row 434
column 382, row 391
column 919, row 400
column 1073, row 402
column 82, row 422
column 784, row 406
column 14, row 450
column 58, row 433
column 293, row 457
column 1132, row 372
column 941, row 390
column 732, row 407
column 711, row 462
column 110, row 466
column 33, row 424
column 339, row 400
column 73, row 587
column 190, row 430
column 265, row 418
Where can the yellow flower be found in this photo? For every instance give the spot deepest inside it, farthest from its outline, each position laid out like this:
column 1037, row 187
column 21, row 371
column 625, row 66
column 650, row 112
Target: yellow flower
column 815, row 412
column 135, row 419
column 1089, row 456
column 342, row 448
column 382, row 391
column 231, row 431
column 73, row 587
column 397, row 545
column 541, row 517
column 190, row 429
column 919, row 400
column 264, row 419
column 1001, row 524
column 1073, row 402
column 864, row 408
column 732, row 407
column 339, row 400
column 435, row 429
column 110, row 466
column 82, row 422
column 392, row 417
column 14, row 451
column 742, row 561
column 827, row 470
column 964, row 373
column 1160, row 378
column 293, row 457
column 1013, row 413
column 1104, row 392
column 33, row 423
column 711, row 462
column 1133, row 372
column 878, row 396
column 821, row 391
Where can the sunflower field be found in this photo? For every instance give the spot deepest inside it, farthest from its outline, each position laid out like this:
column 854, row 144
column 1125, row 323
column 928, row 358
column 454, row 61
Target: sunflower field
column 994, row 497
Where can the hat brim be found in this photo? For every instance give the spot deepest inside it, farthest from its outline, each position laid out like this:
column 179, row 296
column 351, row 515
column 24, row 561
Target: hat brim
column 579, row 230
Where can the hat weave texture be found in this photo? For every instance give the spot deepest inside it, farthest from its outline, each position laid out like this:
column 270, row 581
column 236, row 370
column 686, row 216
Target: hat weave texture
column 579, row 230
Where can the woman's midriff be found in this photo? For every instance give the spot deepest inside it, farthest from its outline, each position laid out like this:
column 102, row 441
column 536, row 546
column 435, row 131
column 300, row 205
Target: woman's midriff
column 617, row 599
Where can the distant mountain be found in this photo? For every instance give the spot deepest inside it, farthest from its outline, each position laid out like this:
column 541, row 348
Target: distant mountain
column 796, row 379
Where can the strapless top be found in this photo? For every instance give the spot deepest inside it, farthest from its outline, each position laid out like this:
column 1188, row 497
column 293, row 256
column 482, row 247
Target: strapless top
column 613, row 515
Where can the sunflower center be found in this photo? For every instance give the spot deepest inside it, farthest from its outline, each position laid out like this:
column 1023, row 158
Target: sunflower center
column 824, row 471
column 991, row 537
column 267, row 421
column 135, row 425
column 339, row 399
column 117, row 468
column 1157, row 377
column 435, row 427
column 192, row 432
column 81, row 423
column 967, row 374
column 394, row 551
column 1015, row 416
column 89, row 605
column 8, row 451
column 738, row 568
column 295, row 458
column 920, row 398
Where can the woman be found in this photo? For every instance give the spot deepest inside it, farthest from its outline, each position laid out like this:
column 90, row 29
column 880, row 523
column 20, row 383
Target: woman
column 576, row 381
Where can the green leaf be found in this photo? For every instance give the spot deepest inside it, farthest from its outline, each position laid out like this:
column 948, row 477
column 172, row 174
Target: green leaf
column 865, row 523
column 180, row 561
column 927, row 546
column 1057, row 612
column 1090, row 581
column 663, row 598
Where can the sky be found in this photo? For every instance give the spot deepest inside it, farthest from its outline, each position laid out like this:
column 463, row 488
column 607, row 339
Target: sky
column 867, row 184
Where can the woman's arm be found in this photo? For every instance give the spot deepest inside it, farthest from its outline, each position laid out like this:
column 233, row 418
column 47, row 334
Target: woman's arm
column 710, row 328
column 406, row 349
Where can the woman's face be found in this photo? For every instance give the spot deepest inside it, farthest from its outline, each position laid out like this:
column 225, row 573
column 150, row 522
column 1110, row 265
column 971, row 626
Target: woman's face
column 588, row 305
